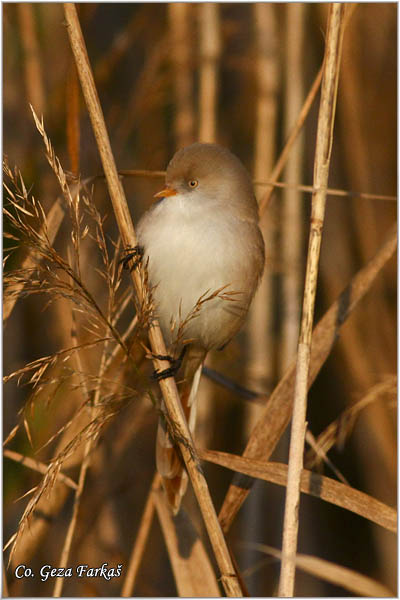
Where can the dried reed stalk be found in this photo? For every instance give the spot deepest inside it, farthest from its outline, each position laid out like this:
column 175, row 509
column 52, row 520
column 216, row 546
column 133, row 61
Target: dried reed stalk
column 32, row 63
column 283, row 157
column 257, row 182
column 260, row 338
column 181, row 42
column 368, row 354
column 36, row 465
column 321, row 172
column 89, row 445
column 330, row 191
column 191, row 567
column 210, row 48
column 261, row 344
column 168, row 386
column 100, row 527
column 74, row 518
column 72, row 116
column 209, row 27
column 276, row 414
column 140, row 540
column 291, row 238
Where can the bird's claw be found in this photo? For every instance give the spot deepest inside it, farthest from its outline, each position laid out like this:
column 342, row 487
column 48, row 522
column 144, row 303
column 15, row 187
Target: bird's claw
column 135, row 254
column 170, row 371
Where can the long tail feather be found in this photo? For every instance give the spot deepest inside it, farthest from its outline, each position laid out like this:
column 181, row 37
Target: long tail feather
column 168, row 457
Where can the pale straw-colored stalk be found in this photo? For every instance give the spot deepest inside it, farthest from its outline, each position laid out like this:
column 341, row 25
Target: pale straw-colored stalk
column 260, row 341
column 89, row 445
column 291, row 239
column 261, row 346
column 209, row 28
column 168, row 386
column 33, row 68
column 321, row 173
column 210, row 45
column 182, row 73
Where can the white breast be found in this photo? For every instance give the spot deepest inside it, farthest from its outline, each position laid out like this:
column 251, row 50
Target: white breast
column 192, row 253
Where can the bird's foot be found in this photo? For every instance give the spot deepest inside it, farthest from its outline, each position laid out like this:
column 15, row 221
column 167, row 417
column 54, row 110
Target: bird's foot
column 135, row 254
column 170, row 371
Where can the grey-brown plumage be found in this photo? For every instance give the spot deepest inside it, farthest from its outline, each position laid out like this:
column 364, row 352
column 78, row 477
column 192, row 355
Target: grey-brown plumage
column 201, row 236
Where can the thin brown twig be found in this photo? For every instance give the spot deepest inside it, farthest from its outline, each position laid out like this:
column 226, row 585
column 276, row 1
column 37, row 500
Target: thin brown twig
column 140, row 540
column 280, row 184
column 337, row 431
column 72, row 525
column 329, row 191
column 278, row 168
column 83, row 470
column 358, row 584
column 168, row 386
column 321, row 172
column 37, row 465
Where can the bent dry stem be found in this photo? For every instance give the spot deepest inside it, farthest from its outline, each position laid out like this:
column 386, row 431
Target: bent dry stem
column 168, row 386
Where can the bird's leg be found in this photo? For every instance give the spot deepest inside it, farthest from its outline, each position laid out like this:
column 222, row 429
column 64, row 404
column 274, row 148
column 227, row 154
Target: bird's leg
column 173, row 369
column 135, row 254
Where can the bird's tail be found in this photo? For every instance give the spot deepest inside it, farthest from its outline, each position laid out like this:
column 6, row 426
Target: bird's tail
column 168, row 457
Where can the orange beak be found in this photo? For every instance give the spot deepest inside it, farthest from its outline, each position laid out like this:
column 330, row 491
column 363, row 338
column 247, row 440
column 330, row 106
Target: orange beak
column 165, row 193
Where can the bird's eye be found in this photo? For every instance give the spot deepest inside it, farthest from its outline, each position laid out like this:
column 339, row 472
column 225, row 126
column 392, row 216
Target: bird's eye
column 193, row 183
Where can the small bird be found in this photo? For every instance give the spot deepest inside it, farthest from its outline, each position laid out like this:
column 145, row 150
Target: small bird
column 205, row 256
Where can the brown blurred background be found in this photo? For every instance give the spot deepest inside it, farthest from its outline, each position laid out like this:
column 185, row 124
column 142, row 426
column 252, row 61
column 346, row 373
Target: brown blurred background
column 237, row 74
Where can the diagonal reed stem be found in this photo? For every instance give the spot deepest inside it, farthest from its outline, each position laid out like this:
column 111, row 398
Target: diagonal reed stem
column 168, row 386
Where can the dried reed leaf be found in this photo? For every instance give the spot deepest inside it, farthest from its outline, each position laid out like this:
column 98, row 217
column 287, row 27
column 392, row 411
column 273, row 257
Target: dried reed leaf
column 36, row 465
column 313, row 484
column 337, row 574
column 11, row 435
column 322, row 457
column 340, row 429
column 277, row 412
column 193, row 573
